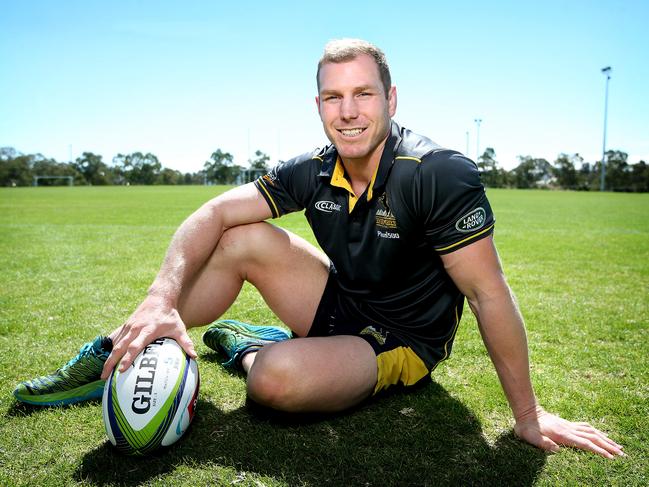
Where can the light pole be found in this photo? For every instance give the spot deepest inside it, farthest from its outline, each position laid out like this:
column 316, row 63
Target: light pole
column 467, row 144
column 607, row 72
column 477, row 121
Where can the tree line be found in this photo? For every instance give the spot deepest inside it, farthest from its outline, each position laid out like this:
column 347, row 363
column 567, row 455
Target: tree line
column 17, row 169
column 568, row 171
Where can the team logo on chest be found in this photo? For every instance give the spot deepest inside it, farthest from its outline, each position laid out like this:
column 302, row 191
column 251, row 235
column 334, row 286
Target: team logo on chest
column 386, row 223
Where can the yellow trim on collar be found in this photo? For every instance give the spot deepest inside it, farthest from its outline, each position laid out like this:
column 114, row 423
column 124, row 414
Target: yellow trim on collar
column 408, row 158
column 339, row 180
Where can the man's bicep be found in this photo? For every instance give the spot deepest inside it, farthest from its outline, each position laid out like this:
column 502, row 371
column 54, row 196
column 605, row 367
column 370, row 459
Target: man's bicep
column 475, row 269
column 242, row 205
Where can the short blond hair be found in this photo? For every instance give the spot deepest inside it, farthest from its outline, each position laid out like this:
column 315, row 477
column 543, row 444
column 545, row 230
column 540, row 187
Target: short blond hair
column 343, row 50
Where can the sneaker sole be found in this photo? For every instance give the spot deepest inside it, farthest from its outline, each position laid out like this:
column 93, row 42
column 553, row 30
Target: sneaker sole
column 86, row 392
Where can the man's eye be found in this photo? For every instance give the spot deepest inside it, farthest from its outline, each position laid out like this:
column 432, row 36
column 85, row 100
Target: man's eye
column 364, row 93
column 331, row 97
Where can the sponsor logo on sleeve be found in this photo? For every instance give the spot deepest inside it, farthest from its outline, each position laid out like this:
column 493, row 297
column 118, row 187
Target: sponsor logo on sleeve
column 472, row 221
column 327, row 206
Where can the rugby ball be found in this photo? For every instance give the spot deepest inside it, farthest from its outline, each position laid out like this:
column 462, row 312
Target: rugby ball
column 152, row 403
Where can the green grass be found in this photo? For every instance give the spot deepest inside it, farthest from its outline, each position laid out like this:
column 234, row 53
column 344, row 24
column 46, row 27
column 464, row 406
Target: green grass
column 74, row 262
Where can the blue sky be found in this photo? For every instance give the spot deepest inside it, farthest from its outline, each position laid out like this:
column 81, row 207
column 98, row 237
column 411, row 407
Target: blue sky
column 181, row 79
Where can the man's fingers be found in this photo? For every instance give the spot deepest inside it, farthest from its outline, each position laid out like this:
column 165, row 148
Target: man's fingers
column 186, row 344
column 599, row 443
column 109, row 365
column 595, row 438
column 586, row 438
column 120, row 343
column 585, row 443
column 601, row 437
column 144, row 326
column 134, row 348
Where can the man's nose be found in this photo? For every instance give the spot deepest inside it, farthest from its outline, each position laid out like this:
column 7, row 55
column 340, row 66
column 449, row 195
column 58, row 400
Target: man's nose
column 348, row 108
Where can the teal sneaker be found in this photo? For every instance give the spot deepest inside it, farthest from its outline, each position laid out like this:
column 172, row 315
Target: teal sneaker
column 78, row 380
column 235, row 339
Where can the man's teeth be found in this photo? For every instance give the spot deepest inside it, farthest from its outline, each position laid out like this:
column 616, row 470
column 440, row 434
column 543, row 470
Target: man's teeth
column 351, row 132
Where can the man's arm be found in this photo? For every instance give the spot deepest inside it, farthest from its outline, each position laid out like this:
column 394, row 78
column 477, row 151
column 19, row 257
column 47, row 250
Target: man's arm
column 190, row 247
column 477, row 273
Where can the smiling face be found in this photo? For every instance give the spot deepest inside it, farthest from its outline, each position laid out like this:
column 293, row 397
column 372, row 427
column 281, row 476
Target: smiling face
column 354, row 108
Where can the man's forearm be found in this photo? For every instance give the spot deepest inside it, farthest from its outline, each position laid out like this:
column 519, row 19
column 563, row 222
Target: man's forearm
column 190, row 247
column 503, row 333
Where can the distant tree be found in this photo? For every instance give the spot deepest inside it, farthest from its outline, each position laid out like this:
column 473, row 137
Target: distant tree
column 221, row 168
column 93, row 169
column 618, row 172
column 43, row 166
column 492, row 176
column 170, row 176
column 640, row 177
column 15, row 168
column 260, row 161
column 586, row 176
column 565, row 170
column 8, row 153
column 532, row 173
column 138, row 168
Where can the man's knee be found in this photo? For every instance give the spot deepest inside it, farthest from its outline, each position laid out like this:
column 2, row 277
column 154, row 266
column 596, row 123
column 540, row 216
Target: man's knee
column 243, row 245
column 245, row 239
column 272, row 380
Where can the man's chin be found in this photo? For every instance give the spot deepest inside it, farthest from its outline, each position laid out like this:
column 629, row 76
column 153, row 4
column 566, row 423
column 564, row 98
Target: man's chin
column 352, row 155
column 350, row 151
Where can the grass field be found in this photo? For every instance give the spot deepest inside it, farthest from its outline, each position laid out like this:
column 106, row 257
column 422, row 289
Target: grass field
column 74, row 262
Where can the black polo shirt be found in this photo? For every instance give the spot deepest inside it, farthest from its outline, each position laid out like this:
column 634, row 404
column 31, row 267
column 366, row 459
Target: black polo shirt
column 424, row 201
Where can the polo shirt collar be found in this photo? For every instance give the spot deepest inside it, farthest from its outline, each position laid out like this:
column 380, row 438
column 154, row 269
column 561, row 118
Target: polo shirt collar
column 329, row 157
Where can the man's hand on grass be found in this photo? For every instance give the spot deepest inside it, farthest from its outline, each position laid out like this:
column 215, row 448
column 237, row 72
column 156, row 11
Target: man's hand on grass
column 548, row 431
column 152, row 319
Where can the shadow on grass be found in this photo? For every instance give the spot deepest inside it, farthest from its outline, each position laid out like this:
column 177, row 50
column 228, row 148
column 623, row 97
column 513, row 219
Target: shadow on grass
column 19, row 409
column 421, row 438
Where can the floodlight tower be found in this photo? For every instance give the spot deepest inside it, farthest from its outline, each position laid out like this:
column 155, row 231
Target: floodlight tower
column 607, row 72
column 477, row 121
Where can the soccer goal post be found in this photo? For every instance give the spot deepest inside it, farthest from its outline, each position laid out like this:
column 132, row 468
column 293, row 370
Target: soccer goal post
column 70, row 179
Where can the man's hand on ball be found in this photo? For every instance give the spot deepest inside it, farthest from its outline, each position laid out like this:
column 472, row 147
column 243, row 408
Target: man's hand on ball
column 152, row 319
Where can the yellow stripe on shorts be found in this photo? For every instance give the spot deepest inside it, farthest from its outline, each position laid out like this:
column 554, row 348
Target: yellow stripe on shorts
column 399, row 365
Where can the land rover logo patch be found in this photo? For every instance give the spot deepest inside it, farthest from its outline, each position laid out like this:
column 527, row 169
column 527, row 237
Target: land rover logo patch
column 471, row 221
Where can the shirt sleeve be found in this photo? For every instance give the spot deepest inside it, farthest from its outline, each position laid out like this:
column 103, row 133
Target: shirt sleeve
column 286, row 186
column 455, row 207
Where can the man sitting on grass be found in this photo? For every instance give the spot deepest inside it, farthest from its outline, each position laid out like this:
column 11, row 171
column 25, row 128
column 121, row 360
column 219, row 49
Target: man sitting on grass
column 406, row 230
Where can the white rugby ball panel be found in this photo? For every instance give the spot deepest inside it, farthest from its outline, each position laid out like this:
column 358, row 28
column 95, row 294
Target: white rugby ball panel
column 185, row 412
column 152, row 403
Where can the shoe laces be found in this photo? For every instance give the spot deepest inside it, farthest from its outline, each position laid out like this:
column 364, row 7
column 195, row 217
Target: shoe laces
column 86, row 350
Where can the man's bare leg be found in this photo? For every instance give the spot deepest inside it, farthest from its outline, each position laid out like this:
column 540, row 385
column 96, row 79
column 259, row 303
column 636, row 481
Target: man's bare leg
column 306, row 374
column 320, row 374
column 289, row 273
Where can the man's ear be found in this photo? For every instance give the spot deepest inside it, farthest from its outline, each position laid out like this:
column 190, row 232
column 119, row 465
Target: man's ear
column 392, row 101
column 317, row 102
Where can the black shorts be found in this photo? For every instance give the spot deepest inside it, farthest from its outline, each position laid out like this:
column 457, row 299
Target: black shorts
column 397, row 363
